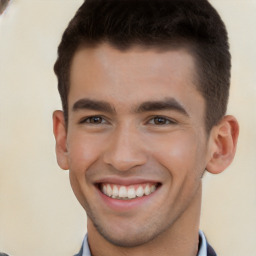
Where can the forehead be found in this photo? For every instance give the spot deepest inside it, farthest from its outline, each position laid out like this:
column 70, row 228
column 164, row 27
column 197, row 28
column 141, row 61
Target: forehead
column 157, row 59
column 136, row 74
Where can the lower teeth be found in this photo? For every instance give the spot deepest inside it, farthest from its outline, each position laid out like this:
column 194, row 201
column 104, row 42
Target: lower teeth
column 124, row 198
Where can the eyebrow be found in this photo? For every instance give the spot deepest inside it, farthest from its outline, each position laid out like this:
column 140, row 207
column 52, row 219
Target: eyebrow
column 166, row 104
column 148, row 106
column 93, row 105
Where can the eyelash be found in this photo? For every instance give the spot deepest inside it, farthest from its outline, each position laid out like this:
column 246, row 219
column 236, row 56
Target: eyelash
column 152, row 121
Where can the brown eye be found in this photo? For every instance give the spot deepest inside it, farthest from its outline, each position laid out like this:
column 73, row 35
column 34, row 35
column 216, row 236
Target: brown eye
column 95, row 120
column 160, row 120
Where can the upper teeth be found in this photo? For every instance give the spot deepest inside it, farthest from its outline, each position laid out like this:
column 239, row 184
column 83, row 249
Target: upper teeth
column 127, row 192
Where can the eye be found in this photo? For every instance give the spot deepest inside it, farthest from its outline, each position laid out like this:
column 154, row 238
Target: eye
column 160, row 120
column 93, row 120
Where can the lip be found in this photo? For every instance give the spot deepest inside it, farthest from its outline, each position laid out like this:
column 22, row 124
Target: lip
column 120, row 206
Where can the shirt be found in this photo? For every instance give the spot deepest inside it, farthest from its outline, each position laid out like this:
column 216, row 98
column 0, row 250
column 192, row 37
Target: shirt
column 202, row 249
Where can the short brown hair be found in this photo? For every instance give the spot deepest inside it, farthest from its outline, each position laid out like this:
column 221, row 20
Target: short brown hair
column 195, row 25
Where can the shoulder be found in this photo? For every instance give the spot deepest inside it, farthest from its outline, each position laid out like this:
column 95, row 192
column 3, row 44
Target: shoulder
column 205, row 248
column 210, row 251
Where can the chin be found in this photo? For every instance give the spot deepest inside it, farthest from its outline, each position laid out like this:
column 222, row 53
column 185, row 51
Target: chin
column 128, row 240
column 129, row 236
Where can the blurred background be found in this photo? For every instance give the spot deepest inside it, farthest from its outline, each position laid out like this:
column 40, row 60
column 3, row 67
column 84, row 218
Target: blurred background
column 39, row 214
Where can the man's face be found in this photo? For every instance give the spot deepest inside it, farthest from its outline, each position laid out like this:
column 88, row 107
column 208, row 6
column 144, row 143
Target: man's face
column 136, row 142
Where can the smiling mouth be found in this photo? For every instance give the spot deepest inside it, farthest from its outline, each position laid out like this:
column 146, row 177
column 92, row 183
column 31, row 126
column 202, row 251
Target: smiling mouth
column 130, row 192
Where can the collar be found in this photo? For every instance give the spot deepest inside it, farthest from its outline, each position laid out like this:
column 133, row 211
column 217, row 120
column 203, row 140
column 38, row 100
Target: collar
column 203, row 245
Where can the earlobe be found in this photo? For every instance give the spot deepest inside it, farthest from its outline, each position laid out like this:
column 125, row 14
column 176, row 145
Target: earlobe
column 223, row 144
column 60, row 134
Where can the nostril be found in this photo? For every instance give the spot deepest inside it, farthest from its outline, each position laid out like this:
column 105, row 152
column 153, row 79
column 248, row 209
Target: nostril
column 124, row 162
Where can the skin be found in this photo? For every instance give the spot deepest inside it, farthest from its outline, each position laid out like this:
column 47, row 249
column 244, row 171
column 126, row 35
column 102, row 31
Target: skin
column 116, row 134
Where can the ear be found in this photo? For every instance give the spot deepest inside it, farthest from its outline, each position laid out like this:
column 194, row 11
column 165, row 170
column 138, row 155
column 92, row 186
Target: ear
column 60, row 133
column 223, row 144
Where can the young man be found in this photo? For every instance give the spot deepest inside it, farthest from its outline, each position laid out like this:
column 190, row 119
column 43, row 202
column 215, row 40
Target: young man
column 144, row 87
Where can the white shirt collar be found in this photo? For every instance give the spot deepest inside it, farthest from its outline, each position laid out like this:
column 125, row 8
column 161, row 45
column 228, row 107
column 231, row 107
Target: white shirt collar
column 86, row 249
column 202, row 250
column 203, row 246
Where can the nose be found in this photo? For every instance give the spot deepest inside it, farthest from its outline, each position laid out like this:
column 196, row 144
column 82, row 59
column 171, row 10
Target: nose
column 125, row 150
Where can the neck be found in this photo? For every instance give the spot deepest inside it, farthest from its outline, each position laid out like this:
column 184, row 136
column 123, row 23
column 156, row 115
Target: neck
column 180, row 239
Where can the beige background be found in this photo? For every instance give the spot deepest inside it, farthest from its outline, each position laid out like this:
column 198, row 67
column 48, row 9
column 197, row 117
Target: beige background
column 39, row 216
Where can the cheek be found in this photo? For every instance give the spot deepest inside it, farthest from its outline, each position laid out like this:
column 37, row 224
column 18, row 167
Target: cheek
column 181, row 153
column 83, row 151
